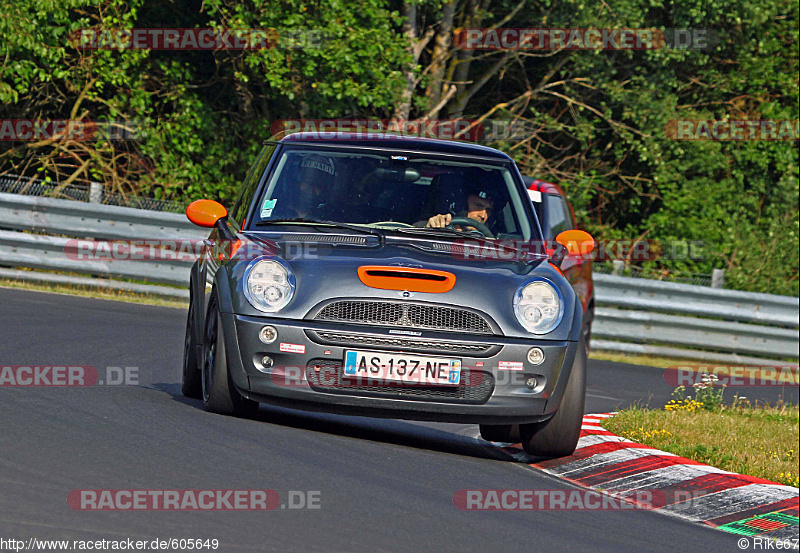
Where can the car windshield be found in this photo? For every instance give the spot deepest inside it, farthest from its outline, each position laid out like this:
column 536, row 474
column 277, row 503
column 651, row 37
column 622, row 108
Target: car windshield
column 391, row 191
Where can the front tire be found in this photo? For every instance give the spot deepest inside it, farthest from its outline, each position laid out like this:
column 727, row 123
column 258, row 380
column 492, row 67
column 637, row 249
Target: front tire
column 558, row 436
column 219, row 394
column 191, row 383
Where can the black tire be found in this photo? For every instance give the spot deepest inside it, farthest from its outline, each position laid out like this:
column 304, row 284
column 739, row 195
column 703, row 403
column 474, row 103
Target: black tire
column 192, row 386
column 506, row 433
column 558, row 435
column 218, row 392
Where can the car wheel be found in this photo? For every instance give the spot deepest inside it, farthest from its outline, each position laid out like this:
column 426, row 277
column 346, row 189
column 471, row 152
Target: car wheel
column 507, row 433
column 192, row 386
column 558, row 435
column 219, row 394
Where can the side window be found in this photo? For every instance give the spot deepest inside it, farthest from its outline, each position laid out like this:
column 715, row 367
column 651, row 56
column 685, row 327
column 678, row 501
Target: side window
column 537, row 207
column 239, row 211
column 558, row 215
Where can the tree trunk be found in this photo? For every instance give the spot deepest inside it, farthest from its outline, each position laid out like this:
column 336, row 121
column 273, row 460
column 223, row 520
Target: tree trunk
column 441, row 52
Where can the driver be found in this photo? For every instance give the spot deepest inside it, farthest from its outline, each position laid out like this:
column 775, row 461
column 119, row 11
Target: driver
column 480, row 206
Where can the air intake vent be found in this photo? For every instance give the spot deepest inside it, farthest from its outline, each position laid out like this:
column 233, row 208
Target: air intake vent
column 407, row 278
column 326, row 238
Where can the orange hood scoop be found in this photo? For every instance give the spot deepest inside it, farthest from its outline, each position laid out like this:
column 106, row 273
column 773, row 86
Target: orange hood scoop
column 407, row 278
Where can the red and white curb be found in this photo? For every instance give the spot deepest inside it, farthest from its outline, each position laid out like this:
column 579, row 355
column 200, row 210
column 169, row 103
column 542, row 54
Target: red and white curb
column 732, row 502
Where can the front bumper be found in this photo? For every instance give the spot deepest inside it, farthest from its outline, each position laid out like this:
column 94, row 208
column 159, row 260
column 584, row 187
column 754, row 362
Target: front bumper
column 307, row 357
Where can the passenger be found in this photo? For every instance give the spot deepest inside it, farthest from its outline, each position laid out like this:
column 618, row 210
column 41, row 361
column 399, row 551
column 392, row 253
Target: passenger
column 315, row 176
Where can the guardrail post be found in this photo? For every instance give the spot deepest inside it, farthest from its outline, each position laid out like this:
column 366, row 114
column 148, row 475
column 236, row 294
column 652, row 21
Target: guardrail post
column 717, row 278
column 619, row 266
column 95, row 193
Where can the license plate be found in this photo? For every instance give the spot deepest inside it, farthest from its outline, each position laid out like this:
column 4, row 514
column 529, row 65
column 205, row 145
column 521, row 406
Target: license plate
column 399, row 367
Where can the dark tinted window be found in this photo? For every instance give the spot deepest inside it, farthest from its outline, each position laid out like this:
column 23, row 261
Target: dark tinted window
column 559, row 218
column 388, row 190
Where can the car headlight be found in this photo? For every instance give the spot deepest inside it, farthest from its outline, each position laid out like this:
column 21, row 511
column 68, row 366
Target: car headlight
column 268, row 285
column 538, row 306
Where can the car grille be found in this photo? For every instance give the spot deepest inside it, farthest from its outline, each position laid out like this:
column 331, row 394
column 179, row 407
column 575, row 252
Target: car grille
column 324, row 375
column 405, row 315
column 345, row 339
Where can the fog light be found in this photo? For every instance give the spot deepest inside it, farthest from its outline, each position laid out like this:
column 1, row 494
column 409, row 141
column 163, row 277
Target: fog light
column 531, row 383
column 535, row 356
column 268, row 334
column 266, row 361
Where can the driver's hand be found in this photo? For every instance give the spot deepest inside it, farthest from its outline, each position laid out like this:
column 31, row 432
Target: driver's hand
column 439, row 221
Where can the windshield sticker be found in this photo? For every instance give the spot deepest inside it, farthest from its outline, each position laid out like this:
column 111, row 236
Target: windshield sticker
column 266, row 209
column 535, row 195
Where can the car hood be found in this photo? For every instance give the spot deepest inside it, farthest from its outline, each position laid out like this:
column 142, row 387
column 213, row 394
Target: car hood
column 326, row 267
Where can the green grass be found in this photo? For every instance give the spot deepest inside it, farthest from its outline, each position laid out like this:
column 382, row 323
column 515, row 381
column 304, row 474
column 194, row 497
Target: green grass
column 635, row 359
column 92, row 292
column 760, row 441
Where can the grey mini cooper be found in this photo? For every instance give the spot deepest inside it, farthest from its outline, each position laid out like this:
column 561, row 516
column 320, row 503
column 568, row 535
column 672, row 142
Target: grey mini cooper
column 388, row 276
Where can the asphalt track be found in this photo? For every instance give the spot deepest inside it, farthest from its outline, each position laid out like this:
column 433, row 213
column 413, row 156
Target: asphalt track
column 384, row 485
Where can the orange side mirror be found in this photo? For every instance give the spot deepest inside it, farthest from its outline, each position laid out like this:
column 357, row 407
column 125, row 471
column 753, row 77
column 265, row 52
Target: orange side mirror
column 205, row 213
column 577, row 242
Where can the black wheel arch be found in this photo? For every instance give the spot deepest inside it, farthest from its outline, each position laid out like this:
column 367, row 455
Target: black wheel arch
column 222, row 290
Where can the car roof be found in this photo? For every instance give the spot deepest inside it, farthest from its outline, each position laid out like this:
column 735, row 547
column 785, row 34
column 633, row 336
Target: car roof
column 396, row 142
column 545, row 187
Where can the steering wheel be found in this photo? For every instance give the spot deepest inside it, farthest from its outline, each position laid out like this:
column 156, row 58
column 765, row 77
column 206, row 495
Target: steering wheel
column 467, row 222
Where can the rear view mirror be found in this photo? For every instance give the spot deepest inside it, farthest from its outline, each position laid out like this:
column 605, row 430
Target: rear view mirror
column 398, row 175
column 577, row 242
column 205, row 213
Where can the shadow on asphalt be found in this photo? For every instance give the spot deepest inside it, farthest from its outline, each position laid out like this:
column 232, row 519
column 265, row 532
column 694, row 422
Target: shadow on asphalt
column 390, row 431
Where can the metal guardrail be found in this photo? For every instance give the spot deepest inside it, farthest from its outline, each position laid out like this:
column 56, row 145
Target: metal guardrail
column 700, row 301
column 727, row 336
column 81, row 220
column 719, row 324
column 36, row 251
column 715, row 321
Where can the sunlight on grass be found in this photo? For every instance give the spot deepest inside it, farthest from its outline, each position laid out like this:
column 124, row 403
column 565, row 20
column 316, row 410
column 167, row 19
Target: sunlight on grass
column 757, row 440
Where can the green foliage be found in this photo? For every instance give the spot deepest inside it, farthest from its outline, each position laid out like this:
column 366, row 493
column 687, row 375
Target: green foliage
column 628, row 178
column 602, row 115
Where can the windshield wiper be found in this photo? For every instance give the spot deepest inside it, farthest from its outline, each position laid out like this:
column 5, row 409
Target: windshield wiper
column 442, row 232
column 321, row 222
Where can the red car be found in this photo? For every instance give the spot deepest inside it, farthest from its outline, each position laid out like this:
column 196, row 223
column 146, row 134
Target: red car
column 555, row 216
